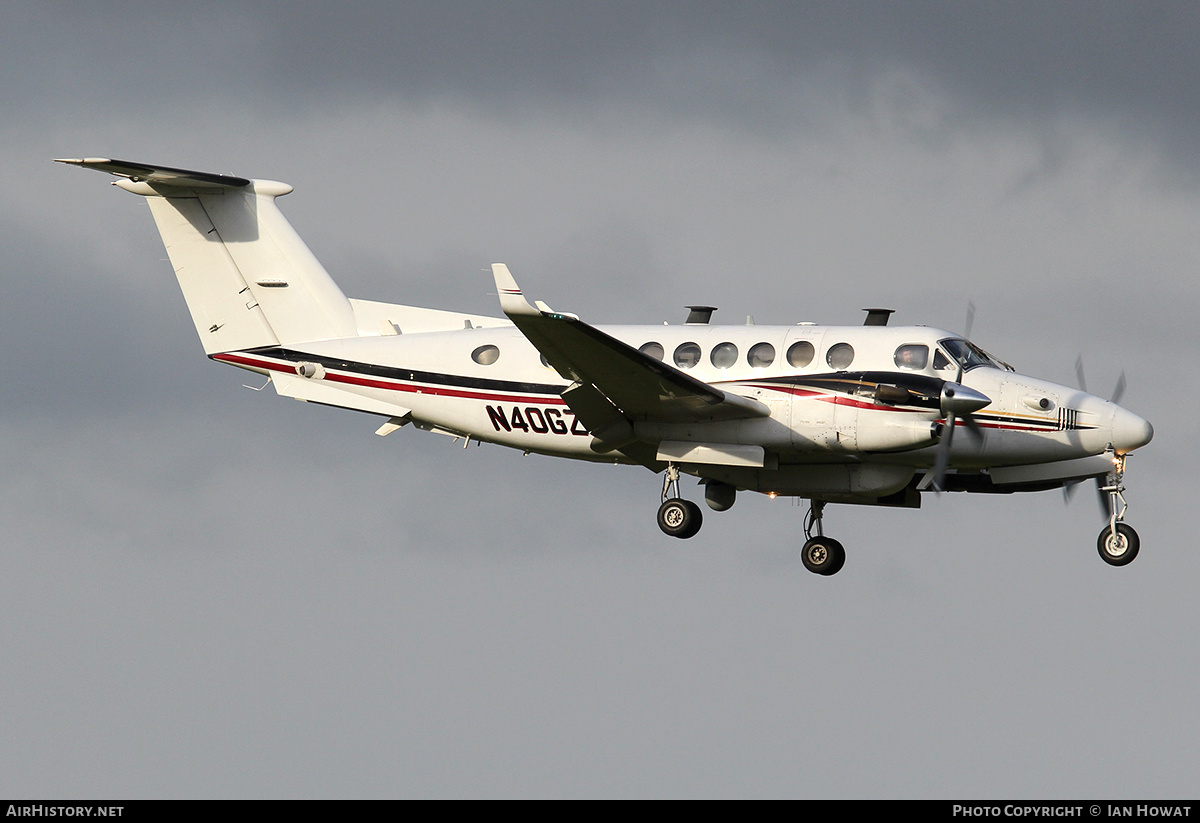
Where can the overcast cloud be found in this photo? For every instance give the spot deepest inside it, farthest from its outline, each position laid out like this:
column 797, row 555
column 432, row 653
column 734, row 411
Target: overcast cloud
column 206, row 591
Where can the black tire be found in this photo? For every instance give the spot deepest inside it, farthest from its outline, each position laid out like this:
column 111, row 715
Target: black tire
column 1121, row 550
column 823, row 555
column 679, row 518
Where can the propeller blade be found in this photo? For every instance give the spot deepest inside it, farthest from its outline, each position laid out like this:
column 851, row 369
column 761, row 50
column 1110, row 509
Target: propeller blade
column 1119, row 389
column 943, row 455
column 1105, row 510
column 970, row 320
column 1069, row 490
column 973, row 428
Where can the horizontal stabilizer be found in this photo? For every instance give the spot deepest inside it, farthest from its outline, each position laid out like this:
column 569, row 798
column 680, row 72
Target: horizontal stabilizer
column 158, row 175
column 319, row 391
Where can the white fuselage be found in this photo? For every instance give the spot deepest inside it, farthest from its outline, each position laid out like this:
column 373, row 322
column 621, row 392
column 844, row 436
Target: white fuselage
column 514, row 400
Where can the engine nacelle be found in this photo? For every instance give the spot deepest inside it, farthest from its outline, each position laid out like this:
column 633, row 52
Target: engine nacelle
column 896, row 437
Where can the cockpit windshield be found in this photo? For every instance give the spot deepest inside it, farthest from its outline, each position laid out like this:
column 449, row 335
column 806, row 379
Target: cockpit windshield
column 968, row 354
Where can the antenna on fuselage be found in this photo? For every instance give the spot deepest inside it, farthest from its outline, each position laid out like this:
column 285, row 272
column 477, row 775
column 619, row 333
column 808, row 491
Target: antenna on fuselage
column 877, row 317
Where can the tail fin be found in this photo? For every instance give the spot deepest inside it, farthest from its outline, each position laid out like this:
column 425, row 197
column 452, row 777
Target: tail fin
column 248, row 278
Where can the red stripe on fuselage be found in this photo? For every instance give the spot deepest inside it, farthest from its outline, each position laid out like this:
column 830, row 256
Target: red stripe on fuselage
column 375, row 383
column 835, row 399
column 1047, row 426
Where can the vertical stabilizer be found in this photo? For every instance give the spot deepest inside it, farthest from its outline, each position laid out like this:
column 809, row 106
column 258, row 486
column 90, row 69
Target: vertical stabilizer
column 227, row 315
column 248, row 278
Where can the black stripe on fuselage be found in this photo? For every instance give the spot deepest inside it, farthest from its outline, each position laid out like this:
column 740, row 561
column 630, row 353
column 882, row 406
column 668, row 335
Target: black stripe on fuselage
column 915, row 389
column 922, row 392
column 411, row 375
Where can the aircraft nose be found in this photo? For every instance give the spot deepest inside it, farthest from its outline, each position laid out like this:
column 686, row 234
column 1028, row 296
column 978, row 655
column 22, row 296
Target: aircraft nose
column 1130, row 431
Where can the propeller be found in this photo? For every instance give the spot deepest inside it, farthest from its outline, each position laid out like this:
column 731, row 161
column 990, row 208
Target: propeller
column 1101, row 495
column 1069, row 488
column 1118, row 390
column 957, row 401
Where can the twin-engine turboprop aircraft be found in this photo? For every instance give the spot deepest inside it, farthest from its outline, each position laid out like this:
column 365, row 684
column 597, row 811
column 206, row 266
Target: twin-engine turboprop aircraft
column 871, row 414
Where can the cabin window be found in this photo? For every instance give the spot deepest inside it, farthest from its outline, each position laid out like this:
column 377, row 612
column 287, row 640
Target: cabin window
column 486, row 355
column 840, row 356
column 724, row 355
column 655, row 350
column 687, row 355
column 912, row 356
column 761, row 355
column 801, row 354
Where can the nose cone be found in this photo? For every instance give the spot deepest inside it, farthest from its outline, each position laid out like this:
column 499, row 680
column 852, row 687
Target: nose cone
column 1130, row 431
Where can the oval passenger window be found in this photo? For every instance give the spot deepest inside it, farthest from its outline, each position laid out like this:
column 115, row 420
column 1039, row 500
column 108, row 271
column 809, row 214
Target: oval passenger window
column 761, row 355
column 840, row 356
column 653, row 349
column 912, row 356
column 687, row 355
column 486, row 355
column 801, row 354
column 724, row 355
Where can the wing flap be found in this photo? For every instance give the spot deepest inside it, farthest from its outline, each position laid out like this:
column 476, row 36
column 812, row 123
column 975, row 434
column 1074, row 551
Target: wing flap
column 712, row 454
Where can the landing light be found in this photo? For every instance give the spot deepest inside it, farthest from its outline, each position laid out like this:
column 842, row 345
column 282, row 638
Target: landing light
column 772, row 495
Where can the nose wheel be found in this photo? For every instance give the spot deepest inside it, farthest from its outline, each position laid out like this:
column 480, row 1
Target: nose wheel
column 677, row 517
column 1118, row 546
column 1118, row 543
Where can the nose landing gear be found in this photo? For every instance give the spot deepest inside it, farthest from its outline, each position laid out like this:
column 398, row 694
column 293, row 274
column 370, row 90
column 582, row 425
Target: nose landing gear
column 1118, row 543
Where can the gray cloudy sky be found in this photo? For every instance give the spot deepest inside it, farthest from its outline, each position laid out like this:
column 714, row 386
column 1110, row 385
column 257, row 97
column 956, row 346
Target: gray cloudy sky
column 210, row 592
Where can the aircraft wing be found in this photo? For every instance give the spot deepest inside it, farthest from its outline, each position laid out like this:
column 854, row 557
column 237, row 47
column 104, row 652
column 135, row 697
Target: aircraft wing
column 614, row 384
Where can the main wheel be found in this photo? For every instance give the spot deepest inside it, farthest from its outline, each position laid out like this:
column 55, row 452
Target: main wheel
column 1119, row 549
column 823, row 555
column 679, row 518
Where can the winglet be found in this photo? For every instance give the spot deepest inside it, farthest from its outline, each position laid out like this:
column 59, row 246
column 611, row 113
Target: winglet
column 512, row 300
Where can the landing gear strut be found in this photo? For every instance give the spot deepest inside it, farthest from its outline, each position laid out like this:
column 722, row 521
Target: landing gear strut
column 820, row 554
column 676, row 516
column 1118, row 543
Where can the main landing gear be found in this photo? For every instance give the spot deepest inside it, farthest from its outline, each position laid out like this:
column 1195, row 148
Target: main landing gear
column 1118, row 543
column 676, row 516
column 682, row 518
column 820, row 554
